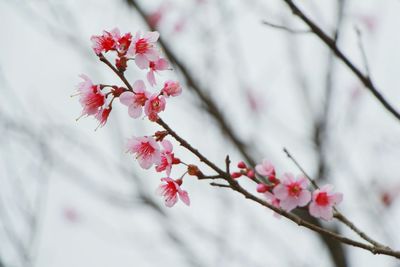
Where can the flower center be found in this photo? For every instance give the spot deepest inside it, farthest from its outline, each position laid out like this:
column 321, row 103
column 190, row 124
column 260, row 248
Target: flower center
column 142, row 46
column 140, row 99
column 152, row 65
column 108, row 43
column 322, row 199
column 146, row 149
column 156, row 104
column 294, row 190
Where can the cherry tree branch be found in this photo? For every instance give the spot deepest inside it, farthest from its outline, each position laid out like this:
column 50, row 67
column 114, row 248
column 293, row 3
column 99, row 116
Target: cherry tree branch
column 364, row 78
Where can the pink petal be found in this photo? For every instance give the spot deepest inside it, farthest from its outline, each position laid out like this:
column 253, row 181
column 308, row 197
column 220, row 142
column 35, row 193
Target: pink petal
column 337, row 198
column 280, row 191
column 145, row 163
column 314, row 210
column 304, row 198
column 167, row 145
column 151, row 78
column 289, row 204
column 134, row 111
column 141, row 61
column 127, row 98
column 171, row 201
column 288, row 178
column 152, row 54
column 139, row 86
column 162, row 64
column 184, row 196
column 152, row 37
column 303, row 181
column 326, row 213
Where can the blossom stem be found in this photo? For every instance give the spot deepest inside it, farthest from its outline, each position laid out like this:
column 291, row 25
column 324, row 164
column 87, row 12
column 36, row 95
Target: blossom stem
column 119, row 74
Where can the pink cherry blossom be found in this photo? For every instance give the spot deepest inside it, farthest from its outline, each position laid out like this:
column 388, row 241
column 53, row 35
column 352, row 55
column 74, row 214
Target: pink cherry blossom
column 105, row 42
column 274, row 201
column 143, row 48
column 167, row 158
column 292, row 193
column 323, row 200
column 171, row 88
column 91, row 97
column 155, row 66
column 102, row 116
column 266, row 168
column 146, row 149
column 135, row 101
column 124, row 42
column 153, row 106
column 171, row 190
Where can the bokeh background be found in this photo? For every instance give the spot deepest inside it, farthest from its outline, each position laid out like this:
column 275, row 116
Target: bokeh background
column 71, row 196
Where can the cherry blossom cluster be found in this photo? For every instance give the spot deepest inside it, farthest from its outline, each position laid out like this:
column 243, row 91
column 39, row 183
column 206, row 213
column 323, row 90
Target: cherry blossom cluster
column 97, row 101
column 155, row 150
column 290, row 192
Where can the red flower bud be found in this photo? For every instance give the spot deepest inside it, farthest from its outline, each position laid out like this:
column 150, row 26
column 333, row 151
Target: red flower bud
column 235, row 175
column 242, row 165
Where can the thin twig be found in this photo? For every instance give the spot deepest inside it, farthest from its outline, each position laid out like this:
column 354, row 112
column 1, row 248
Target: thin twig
column 365, row 79
column 284, row 28
column 119, row 73
column 363, row 53
column 220, row 185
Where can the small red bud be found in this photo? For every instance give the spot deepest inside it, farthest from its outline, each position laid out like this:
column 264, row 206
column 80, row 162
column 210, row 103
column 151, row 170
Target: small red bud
column 273, row 179
column 193, row 170
column 242, row 165
column 179, row 181
column 251, row 174
column 235, row 175
column 262, row 188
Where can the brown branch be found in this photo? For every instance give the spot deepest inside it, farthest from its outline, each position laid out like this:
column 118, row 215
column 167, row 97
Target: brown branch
column 119, row 73
column 365, row 79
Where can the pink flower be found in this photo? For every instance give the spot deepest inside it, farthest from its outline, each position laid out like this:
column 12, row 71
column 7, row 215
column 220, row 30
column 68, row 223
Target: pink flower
column 146, row 149
column 155, row 66
column 266, row 168
column 102, row 116
column 167, row 158
column 143, row 48
column 124, row 42
column 323, row 200
column 91, row 97
column 292, row 193
column 171, row 190
column 135, row 101
column 105, row 42
column 271, row 199
column 171, row 88
column 153, row 106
